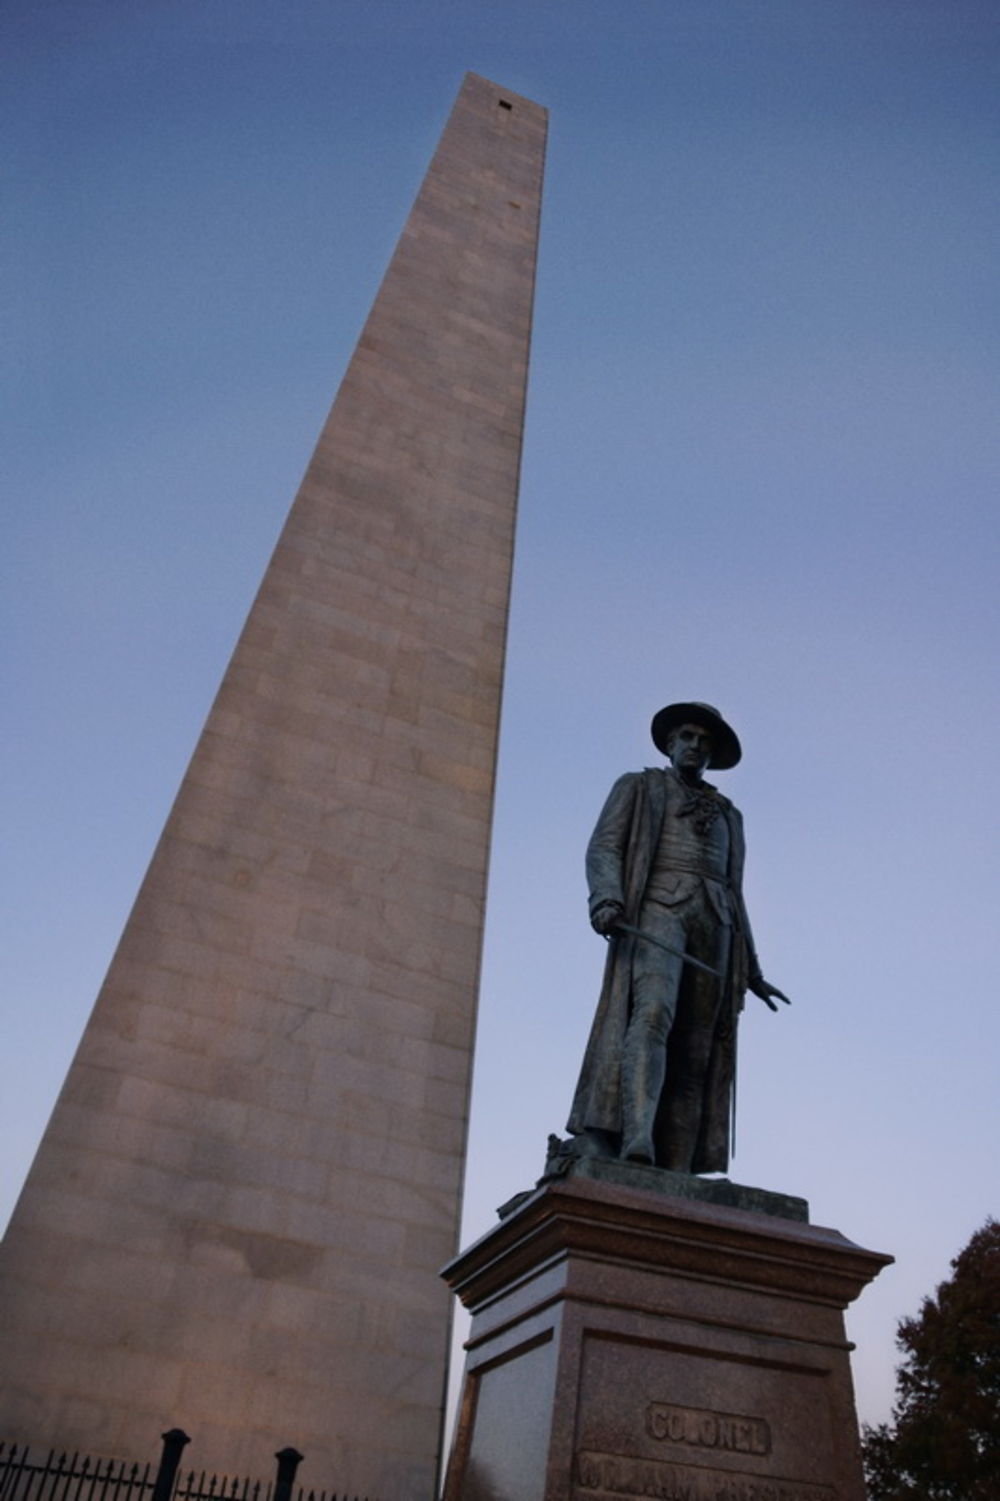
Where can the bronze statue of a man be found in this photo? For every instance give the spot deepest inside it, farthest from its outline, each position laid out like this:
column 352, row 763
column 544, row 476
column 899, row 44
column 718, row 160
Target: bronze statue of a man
column 665, row 871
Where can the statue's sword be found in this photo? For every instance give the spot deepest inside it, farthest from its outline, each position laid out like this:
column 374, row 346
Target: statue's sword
column 624, row 927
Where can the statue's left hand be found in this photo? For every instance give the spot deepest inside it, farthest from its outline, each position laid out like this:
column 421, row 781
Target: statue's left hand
column 760, row 987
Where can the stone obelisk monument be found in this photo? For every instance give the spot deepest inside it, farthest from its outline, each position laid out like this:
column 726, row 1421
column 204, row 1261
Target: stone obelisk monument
column 236, row 1218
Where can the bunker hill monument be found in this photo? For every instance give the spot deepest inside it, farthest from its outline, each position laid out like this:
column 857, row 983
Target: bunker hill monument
column 238, row 1211
column 236, row 1219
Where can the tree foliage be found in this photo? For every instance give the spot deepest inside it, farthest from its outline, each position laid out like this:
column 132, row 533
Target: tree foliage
column 943, row 1443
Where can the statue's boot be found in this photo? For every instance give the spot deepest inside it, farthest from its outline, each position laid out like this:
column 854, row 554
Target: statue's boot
column 677, row 1159
column 593, row 1143
column 684, row 1108
column 640, row 1149
column 643, row 1071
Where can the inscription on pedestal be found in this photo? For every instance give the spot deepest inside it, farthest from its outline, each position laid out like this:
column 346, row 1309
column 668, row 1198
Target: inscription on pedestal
column 706, row 1429
column 628, row 1475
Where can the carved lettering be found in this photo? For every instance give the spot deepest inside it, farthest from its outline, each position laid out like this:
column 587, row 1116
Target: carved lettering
column 628, row 1475
column 707, row 1430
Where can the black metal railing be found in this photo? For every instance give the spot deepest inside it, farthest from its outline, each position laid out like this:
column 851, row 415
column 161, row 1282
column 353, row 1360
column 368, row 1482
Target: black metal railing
column 79, row 1477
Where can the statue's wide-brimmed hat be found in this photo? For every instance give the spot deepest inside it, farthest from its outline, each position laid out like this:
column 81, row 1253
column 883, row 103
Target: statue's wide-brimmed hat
column 726, row 748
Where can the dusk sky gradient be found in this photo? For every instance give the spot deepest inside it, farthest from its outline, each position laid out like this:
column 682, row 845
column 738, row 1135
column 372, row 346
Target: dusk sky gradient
column 761, row 469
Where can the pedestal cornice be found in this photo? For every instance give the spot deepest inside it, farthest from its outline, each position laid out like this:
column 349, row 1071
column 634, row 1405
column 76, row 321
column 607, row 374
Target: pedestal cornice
column 636, row 1229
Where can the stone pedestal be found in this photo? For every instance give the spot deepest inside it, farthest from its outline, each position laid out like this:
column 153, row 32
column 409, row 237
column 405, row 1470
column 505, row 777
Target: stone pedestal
column 629, row 1343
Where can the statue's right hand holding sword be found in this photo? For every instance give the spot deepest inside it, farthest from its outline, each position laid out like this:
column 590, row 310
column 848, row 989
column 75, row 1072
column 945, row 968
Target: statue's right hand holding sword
column 607, row 920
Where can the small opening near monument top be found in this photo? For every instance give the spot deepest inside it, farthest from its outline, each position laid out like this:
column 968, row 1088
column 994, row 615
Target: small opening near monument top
column 503, row 103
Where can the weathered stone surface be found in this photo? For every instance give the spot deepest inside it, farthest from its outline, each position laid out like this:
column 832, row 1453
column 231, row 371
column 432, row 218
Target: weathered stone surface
column 235, row 1220
column 628, row 1344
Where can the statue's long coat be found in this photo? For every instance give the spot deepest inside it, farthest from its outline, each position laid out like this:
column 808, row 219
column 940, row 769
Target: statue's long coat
column 619, row 859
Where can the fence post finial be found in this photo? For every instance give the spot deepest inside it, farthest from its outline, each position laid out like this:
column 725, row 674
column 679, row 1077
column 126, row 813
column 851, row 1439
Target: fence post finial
column 288, row 1462
column 173, row 1445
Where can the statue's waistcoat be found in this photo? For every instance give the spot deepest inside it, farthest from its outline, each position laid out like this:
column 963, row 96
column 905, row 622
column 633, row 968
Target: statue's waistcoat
column 693, row 849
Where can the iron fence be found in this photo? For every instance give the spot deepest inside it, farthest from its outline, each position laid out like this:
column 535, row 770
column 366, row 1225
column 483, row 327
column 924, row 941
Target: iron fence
column 80, row 1477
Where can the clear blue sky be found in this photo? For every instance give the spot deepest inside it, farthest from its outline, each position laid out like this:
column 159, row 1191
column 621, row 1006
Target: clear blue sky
column 760, row 469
